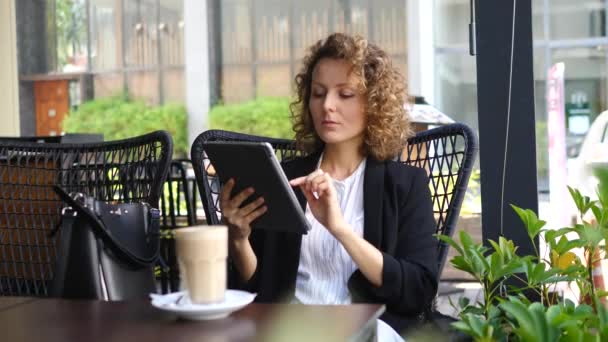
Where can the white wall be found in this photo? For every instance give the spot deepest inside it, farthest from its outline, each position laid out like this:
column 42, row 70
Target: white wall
column 9, row 84
column 197, row 66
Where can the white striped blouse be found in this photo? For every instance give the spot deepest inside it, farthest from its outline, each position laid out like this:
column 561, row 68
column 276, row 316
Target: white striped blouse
column 325, row 266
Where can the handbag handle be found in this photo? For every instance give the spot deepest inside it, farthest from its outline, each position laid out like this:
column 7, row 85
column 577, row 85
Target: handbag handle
column 100, row 231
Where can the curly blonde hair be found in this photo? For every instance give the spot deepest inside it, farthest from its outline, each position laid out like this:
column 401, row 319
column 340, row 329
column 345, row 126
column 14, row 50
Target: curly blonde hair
column 388, row 123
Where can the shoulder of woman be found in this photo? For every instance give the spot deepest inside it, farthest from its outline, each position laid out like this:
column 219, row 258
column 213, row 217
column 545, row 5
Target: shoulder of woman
column 300, row 165
column 401, row 170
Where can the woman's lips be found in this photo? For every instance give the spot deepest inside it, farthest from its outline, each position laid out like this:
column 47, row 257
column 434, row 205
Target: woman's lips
column 329, row 123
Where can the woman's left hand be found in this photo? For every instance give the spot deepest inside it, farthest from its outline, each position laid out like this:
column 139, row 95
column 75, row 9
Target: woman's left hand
column 320, row 193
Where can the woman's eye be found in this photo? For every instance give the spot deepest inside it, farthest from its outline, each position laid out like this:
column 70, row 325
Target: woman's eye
column 318, row 94
column 347, row 95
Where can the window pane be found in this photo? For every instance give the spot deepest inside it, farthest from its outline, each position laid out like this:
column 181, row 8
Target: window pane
column 140, row 33
column 456, row 87
column 538, row 22
column 105, row 47
column 171, row 28
column 585, row 97
column 281, row 25
column 584, row 18
column 585, row 85
column 71, row 35
column 452, row 19
column 237, row 81
column 272, row 48
column 540, row 110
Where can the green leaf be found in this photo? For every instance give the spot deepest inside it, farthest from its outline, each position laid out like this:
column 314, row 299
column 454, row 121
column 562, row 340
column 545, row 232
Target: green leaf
column 463, row 264
column 451, row 242
column 592, row 235
column 583, row 203
column 530, row 220
column 478, row 261
column 463, row 302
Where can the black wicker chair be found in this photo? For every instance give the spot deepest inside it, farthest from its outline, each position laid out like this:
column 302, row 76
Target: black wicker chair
column 447, row 153
column 178, row 207
column 130, row 170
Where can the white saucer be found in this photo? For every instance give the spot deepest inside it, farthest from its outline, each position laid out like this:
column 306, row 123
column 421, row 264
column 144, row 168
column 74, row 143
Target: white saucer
column 179, row 304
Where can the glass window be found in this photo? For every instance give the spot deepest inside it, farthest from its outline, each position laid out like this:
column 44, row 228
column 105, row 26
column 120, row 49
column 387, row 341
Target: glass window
column 452, row 23
column 538, row 21
column 456, row 87
column 140, row 33
column 281, row 25
column 171, row 28
column 585, row 88
column 237, row 74
column 105, row 28
column 577, row 19
column 540, row 112
column 272, row 48
column 71, row 35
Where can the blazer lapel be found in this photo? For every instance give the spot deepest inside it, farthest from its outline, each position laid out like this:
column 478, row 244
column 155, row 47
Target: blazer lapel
column 373, row 185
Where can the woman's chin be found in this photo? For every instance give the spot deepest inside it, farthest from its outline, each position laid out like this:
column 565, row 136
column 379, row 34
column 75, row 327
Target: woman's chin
column 333, row 138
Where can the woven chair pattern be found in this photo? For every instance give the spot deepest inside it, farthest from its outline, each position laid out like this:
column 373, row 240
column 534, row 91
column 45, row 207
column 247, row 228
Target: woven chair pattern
column 178, row 207
column 447, row 153
column 130, row 170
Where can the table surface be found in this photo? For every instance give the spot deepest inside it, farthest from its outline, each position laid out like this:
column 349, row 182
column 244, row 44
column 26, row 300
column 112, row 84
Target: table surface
column 7, row 303
column 37, row 319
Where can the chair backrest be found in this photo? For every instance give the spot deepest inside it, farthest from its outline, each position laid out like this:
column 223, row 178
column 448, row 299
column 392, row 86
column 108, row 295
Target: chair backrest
column 130, row 170
column 447, row 153
column 208, row 183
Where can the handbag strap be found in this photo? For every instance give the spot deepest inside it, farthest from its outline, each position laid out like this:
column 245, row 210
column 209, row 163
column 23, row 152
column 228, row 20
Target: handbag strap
column 98, row 227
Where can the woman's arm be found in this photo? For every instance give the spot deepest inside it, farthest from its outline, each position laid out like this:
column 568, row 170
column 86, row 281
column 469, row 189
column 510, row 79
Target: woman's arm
column 409, row 273
column 243, row 258
column 322, row 200
column 238, row 219
column 367, row 257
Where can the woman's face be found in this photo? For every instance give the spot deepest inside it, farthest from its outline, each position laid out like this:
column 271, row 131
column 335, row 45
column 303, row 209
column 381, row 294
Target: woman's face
column 337, row 108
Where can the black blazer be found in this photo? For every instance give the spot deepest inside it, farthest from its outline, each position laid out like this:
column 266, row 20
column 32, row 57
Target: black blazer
column 398, row 221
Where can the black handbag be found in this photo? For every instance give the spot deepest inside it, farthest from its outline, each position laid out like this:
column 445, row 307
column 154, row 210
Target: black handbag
column 105, row 251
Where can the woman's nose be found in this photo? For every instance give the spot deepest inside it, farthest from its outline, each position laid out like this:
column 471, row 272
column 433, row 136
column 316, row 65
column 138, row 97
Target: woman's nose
column 329, row 104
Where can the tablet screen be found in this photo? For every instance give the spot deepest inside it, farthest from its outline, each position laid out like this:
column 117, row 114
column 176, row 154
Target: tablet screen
column 255, row 164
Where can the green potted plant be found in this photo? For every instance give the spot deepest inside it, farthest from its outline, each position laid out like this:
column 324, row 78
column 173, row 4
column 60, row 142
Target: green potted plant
column 506, row 314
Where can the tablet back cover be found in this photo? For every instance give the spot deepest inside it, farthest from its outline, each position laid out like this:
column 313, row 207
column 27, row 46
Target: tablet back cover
column 254, row 164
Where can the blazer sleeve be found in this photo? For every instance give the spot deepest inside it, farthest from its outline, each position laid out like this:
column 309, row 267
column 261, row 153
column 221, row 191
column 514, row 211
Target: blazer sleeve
column 409, row 275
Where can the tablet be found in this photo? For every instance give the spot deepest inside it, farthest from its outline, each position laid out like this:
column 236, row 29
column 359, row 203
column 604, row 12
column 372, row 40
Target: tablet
column 255, row 164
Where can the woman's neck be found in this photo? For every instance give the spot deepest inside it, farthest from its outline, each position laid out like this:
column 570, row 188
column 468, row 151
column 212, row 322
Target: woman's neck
column 341, row 161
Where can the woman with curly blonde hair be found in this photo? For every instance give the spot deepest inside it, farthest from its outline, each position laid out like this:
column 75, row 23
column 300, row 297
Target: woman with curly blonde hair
column 372, row 218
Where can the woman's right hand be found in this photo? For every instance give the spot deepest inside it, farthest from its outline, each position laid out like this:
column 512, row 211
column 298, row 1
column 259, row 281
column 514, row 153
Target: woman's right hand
column 236, row 218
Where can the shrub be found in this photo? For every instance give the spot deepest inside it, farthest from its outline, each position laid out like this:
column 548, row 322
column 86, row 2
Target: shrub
column 262, row 116
column 118, row 117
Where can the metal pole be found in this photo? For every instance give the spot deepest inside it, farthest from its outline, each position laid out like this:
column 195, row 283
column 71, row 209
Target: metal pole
column 496, row 76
